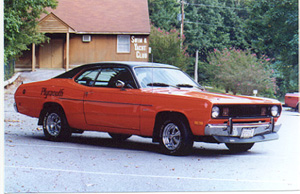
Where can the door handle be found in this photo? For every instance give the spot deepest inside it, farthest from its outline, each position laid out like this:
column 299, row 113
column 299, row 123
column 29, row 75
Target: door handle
column 87, row 93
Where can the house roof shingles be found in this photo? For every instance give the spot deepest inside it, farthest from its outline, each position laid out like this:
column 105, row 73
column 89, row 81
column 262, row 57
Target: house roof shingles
column 104, row 16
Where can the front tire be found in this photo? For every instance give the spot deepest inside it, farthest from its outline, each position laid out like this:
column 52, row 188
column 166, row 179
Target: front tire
column 239, row 147
column 55, row 126
column 175, row 137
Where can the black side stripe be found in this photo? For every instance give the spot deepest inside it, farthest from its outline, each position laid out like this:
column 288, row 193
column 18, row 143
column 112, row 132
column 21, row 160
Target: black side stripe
column 71, row 99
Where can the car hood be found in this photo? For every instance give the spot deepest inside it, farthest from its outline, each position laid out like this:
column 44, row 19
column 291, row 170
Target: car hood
column 214, row 98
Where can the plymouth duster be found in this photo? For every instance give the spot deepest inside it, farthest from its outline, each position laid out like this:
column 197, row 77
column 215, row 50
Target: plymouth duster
column 152, row 100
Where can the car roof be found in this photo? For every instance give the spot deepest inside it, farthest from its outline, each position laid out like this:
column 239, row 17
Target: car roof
column 130, row 64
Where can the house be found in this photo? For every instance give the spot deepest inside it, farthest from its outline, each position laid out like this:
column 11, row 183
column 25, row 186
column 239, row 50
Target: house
column 86, row 31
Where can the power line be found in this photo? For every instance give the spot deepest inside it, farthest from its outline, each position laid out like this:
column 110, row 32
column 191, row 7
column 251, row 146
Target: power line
column 189, row 22
column 223, row 7
column 213, row 6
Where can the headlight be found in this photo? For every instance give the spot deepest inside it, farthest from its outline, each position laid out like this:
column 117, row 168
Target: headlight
column 215, row 112
column 274, row 111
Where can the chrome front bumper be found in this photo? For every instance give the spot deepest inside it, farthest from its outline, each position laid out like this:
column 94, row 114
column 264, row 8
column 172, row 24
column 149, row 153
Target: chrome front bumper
column 232, row 132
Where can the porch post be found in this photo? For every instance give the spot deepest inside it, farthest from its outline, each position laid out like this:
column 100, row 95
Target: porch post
column 33, row 62
column 67, row 51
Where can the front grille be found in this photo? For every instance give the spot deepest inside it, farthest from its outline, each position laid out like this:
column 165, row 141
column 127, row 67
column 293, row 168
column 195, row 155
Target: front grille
column 245, row 111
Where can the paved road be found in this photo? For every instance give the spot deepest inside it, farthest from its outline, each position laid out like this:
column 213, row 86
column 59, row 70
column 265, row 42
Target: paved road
column 92, row 162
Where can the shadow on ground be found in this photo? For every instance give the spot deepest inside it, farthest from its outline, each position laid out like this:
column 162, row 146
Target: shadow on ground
column 130, row 144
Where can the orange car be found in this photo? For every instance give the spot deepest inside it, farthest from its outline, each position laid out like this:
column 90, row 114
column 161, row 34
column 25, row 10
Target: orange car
column 292, row 100
column 150, row 100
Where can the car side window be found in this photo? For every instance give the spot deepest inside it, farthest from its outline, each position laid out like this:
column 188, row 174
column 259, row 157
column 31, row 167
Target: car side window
column 104, row 77
column 88, row 77
column 109, row 76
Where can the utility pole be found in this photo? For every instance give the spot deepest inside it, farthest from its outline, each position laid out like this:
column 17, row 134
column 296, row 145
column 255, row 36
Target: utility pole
column 182, row 18
column 196, row 67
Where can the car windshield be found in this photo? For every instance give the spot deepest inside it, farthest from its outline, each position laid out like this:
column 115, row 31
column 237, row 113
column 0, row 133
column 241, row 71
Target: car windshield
column 163, row 77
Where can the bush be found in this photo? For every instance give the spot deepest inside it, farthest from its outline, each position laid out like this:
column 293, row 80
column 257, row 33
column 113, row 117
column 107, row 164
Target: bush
column 165, row 48
column 242, row 72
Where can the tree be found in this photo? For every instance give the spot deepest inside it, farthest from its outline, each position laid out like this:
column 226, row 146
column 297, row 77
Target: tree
column 242, row 72
column 267, row 27
column 163, row 13
column 212, row 24
column 272, row 28
column 20, row 25
column 165, row 47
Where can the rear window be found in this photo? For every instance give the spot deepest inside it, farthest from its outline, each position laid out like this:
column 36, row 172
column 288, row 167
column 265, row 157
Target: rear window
column 70, row 74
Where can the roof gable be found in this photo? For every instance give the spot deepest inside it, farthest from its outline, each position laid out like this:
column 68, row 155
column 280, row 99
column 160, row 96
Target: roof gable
column 52, row 23
column 104, row 16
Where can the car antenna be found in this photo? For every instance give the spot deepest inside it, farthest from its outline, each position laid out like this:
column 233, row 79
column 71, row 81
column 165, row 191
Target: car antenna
column 152, row 66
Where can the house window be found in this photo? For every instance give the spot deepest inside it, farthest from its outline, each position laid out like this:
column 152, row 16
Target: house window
column 123, row 44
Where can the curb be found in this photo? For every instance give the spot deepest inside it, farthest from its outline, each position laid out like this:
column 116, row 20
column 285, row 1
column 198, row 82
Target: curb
column 11, row 80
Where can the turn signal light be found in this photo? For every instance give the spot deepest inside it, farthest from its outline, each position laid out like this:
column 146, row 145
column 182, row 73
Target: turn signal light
column 225, row 112
column 263, row 111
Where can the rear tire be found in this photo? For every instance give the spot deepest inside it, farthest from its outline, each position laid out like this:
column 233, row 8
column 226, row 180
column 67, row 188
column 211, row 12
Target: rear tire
column 239, row 147
column 55, row 125
column 175, row 137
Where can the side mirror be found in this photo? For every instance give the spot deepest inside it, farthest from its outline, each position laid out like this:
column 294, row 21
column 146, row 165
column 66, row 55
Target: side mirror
column 120, row 84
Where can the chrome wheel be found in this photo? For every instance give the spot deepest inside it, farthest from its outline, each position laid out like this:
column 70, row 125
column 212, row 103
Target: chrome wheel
column 175, row 137
column 53, row 124
column 171, row 136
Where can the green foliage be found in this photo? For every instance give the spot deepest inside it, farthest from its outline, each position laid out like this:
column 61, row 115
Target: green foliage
column 20, row 22
column 166, row 48
column 211, row 24
column 272, row 28
column 242, row 72
column 9, row 69
column 163, row 13
column 267, row 27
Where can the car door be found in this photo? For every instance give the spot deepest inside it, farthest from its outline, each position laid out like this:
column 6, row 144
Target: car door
column 106, row 105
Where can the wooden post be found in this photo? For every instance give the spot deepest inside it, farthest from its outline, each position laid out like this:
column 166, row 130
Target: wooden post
column 33, row 62
column 67, row 51
column 182, row 20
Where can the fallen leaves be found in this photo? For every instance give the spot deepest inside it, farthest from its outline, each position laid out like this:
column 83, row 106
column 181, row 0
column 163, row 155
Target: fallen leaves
column 11, row 121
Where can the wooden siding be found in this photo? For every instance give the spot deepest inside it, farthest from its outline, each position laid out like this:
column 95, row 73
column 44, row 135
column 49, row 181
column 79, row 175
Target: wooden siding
column 25, row 59
column 101, row 48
